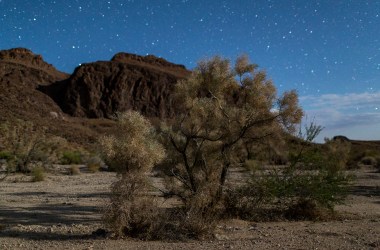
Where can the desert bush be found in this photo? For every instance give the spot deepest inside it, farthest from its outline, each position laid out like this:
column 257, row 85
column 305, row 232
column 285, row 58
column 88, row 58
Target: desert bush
column 94, row 164
column 369, row 161
column 71, row 157
column 361, row 153
column 292, row 191
column 38, row 174
column 74, row 170
column 5, row 155
column 132, row 154
column 252, row 165
column 27, row 144
column 129, row 212
column 222, row 110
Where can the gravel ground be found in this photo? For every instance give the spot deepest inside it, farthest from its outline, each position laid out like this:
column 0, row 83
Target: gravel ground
column 63, row 211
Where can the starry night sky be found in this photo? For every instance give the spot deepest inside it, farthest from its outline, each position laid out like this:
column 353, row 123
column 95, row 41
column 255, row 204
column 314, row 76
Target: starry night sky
column 329, row 50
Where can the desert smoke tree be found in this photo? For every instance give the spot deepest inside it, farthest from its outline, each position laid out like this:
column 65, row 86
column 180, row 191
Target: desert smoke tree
column 132, row 154
column 221, row 109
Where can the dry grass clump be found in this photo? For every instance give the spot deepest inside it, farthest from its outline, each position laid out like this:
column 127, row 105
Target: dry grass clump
column 38, row 174
column 74, row 170
column 94, row 164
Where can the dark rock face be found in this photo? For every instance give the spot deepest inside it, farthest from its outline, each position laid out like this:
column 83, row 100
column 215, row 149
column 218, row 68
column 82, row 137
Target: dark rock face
column 128, row 81
column 32, row 89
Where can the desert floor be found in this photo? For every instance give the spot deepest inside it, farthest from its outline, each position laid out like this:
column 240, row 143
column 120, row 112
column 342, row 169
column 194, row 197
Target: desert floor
column 63, row 211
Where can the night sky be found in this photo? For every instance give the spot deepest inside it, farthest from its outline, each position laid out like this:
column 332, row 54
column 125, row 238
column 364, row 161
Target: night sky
column 327, row 50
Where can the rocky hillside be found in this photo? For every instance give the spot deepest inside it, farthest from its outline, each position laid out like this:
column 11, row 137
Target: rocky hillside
column 74, row 106
column 100, row 89
column 21, row 71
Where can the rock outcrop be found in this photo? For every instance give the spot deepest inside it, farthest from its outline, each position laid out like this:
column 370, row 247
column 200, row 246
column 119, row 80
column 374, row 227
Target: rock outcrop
column 33, row 90
column 100, row 89
column 21, row 72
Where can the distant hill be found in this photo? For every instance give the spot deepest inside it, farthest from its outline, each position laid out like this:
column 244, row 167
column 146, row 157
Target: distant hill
column 33, row 90
column 21, row 72
column 100, row 89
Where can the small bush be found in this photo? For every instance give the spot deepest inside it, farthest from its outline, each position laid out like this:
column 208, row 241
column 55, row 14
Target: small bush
column 251, row 165
column 71, row 157
column 74, row 170
column 369, row 161
column 133, row 153
column 308, row 188
column 28, row 143
column 38, row 174
column 6, row 155
column 94, row 164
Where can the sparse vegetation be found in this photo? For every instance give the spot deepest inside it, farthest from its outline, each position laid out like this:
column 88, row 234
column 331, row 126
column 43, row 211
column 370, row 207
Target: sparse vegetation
column 227, row 118
column 293, row 191
column 23, row 144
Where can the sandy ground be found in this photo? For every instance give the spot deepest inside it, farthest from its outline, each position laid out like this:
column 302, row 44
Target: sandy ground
column 63, row 211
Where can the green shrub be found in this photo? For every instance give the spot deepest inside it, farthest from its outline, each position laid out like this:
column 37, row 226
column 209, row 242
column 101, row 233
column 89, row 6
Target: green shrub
column 38, row 174
column 5, row 155
column 295, row 191
column 71, row 157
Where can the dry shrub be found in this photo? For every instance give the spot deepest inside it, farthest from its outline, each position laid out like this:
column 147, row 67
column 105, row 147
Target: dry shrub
column 26, row 144
column 74, row 170
column 130, row 213
column 94, row 164
column 131, row 154
column 224, row 112
column 202, row 215
column 38, row 174
column 338, row 153
column 369, row 161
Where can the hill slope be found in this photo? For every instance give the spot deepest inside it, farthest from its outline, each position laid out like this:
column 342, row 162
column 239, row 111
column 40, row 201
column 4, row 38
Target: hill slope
column 100, row 89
